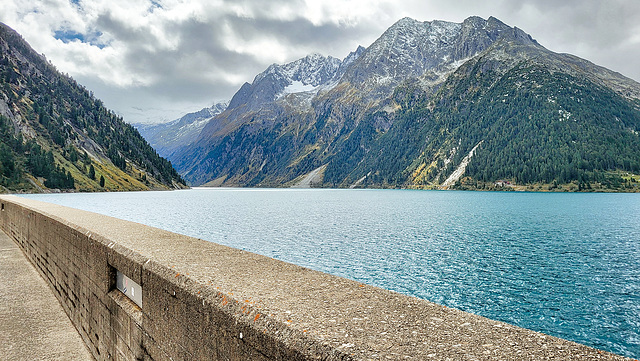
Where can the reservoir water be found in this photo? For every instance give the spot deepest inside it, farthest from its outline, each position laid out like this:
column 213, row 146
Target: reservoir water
column 566, row 264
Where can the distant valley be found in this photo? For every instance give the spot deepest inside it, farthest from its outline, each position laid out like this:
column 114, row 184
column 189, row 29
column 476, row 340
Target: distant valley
column 167, row 137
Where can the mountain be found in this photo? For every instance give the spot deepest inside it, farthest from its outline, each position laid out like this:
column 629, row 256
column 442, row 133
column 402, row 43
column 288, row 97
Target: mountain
column 471, row 105
column 54, row 134
column 165, row 138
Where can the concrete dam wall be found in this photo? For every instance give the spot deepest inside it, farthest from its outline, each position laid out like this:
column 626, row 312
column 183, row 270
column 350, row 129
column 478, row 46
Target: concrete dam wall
column 135, row 292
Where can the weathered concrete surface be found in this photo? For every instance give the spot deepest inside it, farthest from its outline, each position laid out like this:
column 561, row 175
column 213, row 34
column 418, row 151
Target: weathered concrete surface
column 203, row 301
column 33, row 325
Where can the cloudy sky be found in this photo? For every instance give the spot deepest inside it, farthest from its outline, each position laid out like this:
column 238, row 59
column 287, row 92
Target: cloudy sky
column 155, row 60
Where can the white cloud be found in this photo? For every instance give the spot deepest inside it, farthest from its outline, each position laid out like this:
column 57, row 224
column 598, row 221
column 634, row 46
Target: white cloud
column 168, row 54
column 346, row 12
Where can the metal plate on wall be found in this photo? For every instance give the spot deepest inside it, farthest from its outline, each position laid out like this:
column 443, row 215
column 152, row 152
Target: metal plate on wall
column 130, row 288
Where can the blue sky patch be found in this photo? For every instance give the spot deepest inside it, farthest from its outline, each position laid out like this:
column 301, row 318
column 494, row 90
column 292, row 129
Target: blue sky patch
column 68, row 36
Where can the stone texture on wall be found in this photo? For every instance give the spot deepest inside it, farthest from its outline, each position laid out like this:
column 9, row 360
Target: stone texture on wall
column 203, row 301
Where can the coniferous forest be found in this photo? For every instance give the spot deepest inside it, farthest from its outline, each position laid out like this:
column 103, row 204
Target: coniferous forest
column 536, row 127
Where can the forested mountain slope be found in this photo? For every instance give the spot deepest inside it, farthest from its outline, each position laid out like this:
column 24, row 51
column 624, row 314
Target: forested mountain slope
column 474, row 105
column 55, row 135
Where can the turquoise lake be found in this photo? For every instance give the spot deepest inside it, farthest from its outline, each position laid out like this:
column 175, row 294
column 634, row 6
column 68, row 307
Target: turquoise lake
column 566, row 264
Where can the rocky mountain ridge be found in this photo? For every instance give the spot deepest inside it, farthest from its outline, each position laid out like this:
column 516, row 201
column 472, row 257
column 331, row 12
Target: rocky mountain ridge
column 331, row 117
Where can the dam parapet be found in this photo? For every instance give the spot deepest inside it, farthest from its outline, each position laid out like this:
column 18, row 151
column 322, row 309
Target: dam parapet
column 136, row 292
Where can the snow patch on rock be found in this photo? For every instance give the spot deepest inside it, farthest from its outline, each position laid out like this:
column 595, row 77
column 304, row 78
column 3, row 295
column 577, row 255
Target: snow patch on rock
column 298, row 87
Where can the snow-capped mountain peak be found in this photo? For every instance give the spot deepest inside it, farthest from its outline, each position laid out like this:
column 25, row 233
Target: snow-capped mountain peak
column 349, row 119
column 313, row 69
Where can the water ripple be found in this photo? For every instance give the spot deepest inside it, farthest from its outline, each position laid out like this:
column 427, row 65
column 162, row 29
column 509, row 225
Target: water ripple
column 563, row 264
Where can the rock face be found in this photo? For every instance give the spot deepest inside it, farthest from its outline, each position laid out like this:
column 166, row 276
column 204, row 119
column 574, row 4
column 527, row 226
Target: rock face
column 411, row 48
column 302, row 75
column 404, row 112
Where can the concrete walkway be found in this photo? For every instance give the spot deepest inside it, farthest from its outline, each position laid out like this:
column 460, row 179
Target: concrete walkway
column 33, row 325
